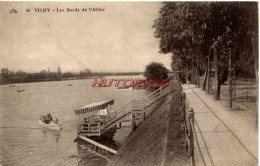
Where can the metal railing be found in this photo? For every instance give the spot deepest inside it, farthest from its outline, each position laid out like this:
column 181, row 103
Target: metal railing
column 154, row 95
column 190, row 133
column 118, row 113
column 137, row 105
column 153, row 100
column 90, row 127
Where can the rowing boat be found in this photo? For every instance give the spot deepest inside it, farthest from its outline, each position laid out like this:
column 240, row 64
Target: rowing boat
column 48, row 122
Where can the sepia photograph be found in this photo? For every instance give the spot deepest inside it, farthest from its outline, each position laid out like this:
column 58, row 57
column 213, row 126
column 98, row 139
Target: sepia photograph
column 129, row 83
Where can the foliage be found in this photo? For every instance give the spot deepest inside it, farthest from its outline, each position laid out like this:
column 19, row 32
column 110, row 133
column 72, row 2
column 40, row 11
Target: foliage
column 189, row 29
column 85, row 73
column 155, row 71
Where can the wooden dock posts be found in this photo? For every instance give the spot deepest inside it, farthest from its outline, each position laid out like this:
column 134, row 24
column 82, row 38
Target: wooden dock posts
column 118, row 125
column 133, row 124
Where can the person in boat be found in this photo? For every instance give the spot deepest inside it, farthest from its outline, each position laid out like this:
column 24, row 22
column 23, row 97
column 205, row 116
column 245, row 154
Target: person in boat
column 49, row 117
column 46, row 119
column 43, row 118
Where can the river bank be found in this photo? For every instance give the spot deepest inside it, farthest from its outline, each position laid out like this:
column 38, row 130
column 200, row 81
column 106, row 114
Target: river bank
column 158, row 140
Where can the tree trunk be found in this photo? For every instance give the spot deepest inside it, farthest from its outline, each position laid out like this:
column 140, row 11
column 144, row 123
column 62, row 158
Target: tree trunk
column 256, row 61
column 198, row 72
column 230, row 80
column 217, row 78
column 256, row 75
column 192, row 71
column 187, row 74
column 194, row 76
column 208, row 71
column 205, row 79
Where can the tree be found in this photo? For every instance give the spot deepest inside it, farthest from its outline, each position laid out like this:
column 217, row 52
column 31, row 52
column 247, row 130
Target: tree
column 156, row 71
column 193, row 32
column 4, row 75
column 67, row 75
column 85, row 73
column 20, row 74
column 181, row 27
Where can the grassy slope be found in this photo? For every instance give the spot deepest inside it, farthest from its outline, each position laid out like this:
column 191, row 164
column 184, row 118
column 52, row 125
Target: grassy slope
column 157, row 141
column 145, row 145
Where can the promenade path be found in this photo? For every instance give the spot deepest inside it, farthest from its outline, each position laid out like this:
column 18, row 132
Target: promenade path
column 226, row 138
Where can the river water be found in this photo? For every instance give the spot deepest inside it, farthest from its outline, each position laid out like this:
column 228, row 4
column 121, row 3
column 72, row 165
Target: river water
column 24, row 142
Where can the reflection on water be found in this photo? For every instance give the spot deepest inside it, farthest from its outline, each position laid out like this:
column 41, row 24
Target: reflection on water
column 24, row 142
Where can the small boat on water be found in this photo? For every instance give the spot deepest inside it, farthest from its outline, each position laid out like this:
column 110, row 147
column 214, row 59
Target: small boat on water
column 20, row 90
column 11, row 85
column 48, row 122
column 70, row 84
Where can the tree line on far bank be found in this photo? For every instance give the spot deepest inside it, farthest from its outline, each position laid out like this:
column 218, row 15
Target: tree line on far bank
column 10, row 77
column 206, row 37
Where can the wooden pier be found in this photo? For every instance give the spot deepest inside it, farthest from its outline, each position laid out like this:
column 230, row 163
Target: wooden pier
column 135, row 110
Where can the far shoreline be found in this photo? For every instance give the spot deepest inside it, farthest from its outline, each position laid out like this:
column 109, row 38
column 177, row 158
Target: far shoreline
column 65, row 79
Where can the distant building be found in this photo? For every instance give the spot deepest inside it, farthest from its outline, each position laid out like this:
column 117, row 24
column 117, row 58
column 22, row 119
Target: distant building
column 43, row 71
column 59, row 71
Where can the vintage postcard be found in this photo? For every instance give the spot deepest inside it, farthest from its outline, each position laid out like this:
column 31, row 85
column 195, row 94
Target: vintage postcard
column 129, row 83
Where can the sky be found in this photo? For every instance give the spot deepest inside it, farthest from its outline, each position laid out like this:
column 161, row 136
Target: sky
column 118, row 39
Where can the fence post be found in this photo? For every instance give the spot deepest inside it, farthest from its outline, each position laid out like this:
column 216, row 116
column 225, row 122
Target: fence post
column 185, row 121
column 191, row 136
